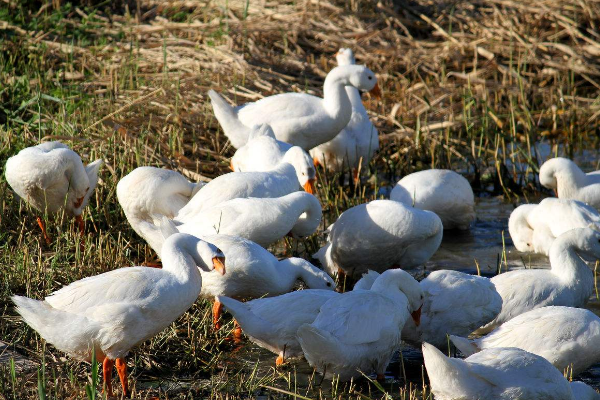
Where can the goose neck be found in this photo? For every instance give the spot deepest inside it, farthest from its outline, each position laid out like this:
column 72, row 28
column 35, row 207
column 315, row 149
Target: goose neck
column 335, row 98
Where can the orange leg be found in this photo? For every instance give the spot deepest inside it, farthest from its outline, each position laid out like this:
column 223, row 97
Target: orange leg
column 237, row 332
column 42, row 225
column 122, row 371
column 217, row 309
column 107, row 367
column 80, row 225
column 280, row 360
column 355, row 175
column 153, row 264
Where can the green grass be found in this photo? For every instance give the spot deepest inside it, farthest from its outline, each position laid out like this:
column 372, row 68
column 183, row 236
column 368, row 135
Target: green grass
column 134, row 95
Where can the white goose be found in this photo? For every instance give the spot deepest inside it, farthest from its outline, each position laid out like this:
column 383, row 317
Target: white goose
column 358, row 140
column 565, row 336
column 272, row 322
column 298, row 118
column 359, row 331
column 499, row 374
column 569, row 282
column 114, row 311
column 51, row 177
column 380, row 235
column 452, row 302
column 564, row 176
column 442, row 191
column 534, row 227
column 263, row 152
column 581, row 391
column 277, row 182
column 254, row 272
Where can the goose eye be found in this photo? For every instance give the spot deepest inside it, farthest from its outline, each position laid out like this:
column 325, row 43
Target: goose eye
column 303, row 174
column 329, row 284
column 370, row 77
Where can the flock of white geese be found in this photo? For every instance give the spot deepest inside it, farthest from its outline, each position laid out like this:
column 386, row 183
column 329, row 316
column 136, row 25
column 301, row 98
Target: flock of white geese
column 212, row 241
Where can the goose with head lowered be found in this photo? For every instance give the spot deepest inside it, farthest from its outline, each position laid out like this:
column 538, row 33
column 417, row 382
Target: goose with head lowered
column 380, row 235
column 565, row 336
column 498, row 373
column 569, row 282
column 253, row 272
column 534, row 227
column 51, row 177
column 263, row 152
column 359, row 331
column 112, row 312
column 298, row 118
column 570, row 182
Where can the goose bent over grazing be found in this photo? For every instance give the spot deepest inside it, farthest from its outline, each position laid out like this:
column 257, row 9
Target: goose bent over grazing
column 498, row 374
column 380, row 235
column 297, row 118
column 570, row 182
column 50, row 177
column 442, row 191
column 114, row 311
column 565, row 336
column 359, row 331
column 569, row 281
column 534, row 227
column 263, row 152
column 358, row 140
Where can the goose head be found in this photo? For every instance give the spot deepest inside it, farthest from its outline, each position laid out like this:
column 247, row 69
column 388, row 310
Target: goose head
column 304, row 166
column 361, row 78
column 81, row 189
column 345, row 57
column 397, row 279
column 311, row 275
column 206, row 256
column 520, row 231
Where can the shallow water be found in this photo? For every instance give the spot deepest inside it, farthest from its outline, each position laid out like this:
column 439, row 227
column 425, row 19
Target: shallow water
column 458, row 251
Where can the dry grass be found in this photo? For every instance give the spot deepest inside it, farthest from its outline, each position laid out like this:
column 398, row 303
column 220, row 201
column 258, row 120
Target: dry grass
column 468, row 85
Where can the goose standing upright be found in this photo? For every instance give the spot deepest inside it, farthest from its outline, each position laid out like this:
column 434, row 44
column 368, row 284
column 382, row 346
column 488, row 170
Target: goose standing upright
column 565, row 336
column 570, row 182
column 359, row 140
column 114, row 311
column 442, row 191
column 569, row 282
column 359, row 331
column 298, row 118
column 50, row 177
column 534, row 227
column 263, row 152
column 380, row 235
column 498, row 373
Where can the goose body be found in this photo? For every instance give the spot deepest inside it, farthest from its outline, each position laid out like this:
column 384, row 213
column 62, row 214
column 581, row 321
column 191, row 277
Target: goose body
column 360, row 330
column 297, row 118
column 533, row 228
column 277, row 182
column 380, row 235
column 114, row 311
column 50, row 177
column 358, row 140
column 569, row 281
column 565, row 336
column 581, row 391
column 444, row 192
column 570, row 182
column 453, row 302
column 263, row 152
column 497, row 373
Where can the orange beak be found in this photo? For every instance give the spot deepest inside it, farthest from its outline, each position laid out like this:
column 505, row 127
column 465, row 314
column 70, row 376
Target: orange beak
column 309, row 186
column 79, row 202
column 376, row 92
column 555, row 192
column 316, row 162
column 416, row 316
column 219, row 264
column 231, row 166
